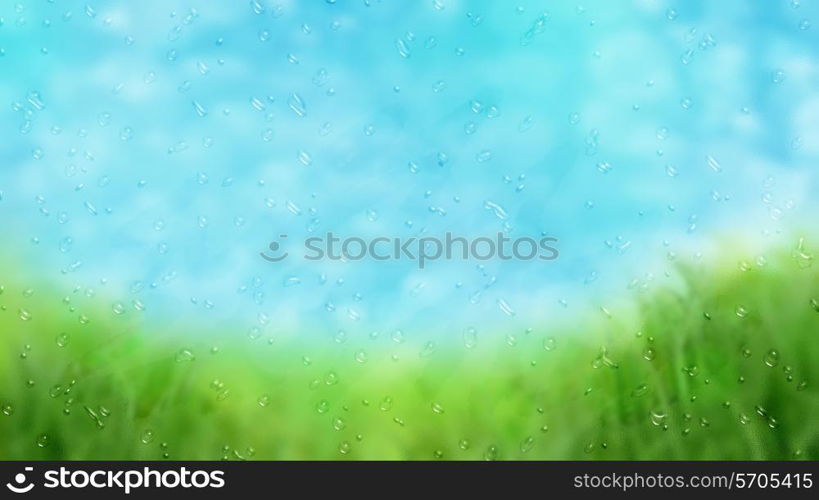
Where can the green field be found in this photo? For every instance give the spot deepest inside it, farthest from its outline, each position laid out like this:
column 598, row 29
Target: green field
column 722, row 364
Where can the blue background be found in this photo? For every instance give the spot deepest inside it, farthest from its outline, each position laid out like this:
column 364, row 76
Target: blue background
column 150, row 150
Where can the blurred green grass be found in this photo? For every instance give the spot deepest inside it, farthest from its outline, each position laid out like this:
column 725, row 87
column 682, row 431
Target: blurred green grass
column 719, row 365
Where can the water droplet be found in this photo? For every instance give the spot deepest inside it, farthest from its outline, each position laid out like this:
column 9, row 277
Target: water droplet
column 200, row 109
column 7, row 409
column 184, row 355
column 62, row 339
column 147, row 436
column 42, row 440
column 713, row 163
column 483, row 156
column 297, row 105
column 428, row 349
column 403, row 48
column 658, row 418
column 505, row 307
column 305, row 158
column 470, row 338
column 771, row 358
column 538, row 26
column 526, row 123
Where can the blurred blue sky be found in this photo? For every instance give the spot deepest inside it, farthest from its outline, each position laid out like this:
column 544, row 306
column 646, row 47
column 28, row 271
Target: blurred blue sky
column 150, row 150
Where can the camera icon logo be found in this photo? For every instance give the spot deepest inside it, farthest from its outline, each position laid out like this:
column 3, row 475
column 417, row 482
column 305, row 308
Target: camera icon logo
column 20, row 479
